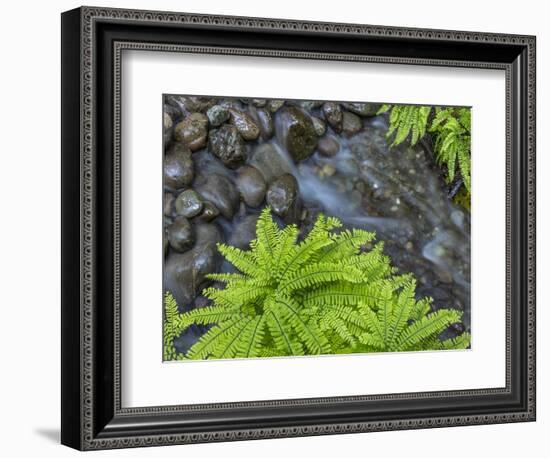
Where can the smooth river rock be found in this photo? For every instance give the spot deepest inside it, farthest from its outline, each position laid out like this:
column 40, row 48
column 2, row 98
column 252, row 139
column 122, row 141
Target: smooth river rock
column 168, row 128
column 188, row 204
column 244, row 231
column 273, row 105
column 244, row 123
column 190, row 103
column 351, row 123
column 295, row 132
column 227, row 144
column 328, row 146
column 251, row 184
column 209, row 212
column 319, row 126
column 362, row 109
column 220, row 191
column 193, row 131
column 271, row 162
column 265, row 121
column 180, row 234
column 282, row 197
column 168, row 204
column 217, row 115
column 178, row 167
column 184, row 273
column 333, row 115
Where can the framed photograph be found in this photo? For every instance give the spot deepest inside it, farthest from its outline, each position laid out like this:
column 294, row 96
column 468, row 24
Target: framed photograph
column 276, row 228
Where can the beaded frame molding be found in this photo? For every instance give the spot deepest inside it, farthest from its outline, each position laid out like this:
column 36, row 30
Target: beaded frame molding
column 92, row 43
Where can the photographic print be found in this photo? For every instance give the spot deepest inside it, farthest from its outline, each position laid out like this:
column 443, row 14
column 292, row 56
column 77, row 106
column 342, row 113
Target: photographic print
column 301, row 228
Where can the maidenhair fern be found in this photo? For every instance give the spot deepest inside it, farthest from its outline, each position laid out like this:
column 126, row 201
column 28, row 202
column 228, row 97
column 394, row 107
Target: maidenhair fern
column 171, row 329
column 327, row 294
column 400, row 324
column 450, row 128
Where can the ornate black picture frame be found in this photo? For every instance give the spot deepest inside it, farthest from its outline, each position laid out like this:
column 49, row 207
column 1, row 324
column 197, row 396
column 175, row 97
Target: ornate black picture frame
column 92, row 42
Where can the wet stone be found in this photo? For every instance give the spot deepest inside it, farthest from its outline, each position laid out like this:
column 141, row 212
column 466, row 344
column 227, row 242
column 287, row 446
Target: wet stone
column 220, row 191
column 217, row 115
column 271, row 162
column 244, row 232
column 193, row 131
column 319, row 126
column 209, row 212
column 328, row 146
column 252, row 186
column 180, row 234
column 227, row 144
column 190, row 104
column 201, row 302
column 168, row 204
column 351, row 123
column 328, row 170
column 265, row 122
column 244, row 124
column 207, row 234
column 274, row 105
column 173, row 112
column 282, row 197
column 167, row 121
column 309, row 105
column 188, row 204
column 333, row 115
column 296, row 132
column 260, row 103
column 178, row 167
column 362, row 109
column 168, row 128
column 185, row 273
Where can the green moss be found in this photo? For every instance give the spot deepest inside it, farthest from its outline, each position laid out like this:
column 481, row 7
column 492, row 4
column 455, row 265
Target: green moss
column 463, row 198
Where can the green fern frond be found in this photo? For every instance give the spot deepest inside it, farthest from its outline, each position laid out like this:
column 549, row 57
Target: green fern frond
column 407, row 121
column 282, row 335
column 226, row 277
column 319, row 237
column 318, row 274
column 328, row 294
column 345, row 244
column 242, row 260
column 307, row 331
column 206, row 315
column 450, row 127
column 402, row 325
column 373, row 264
column 427, row 327
column 221, row 340
column 460, row 342
column 267, row 237
column 383, row 109
column 170, row 328
column 342, row 293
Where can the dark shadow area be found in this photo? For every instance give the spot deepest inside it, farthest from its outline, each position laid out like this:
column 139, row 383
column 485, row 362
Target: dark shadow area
column 49, row 434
